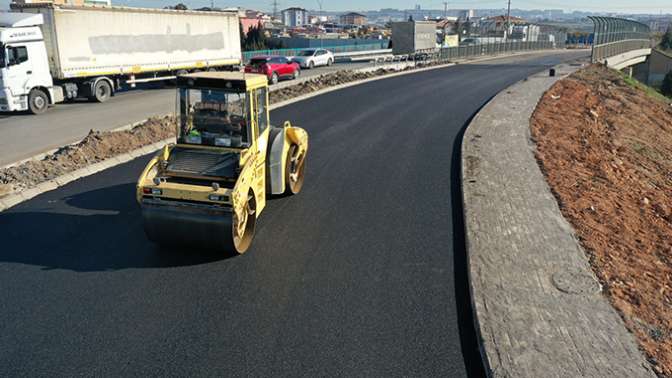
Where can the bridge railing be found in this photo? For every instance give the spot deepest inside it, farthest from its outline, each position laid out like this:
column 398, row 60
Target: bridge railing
column 448, row 54
column 616, row 36
column 493, row 49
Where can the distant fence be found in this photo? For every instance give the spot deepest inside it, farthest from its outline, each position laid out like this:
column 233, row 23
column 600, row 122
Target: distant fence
column 247, row 55
column 616, row 36
column 447, row 54
column 495, row 48
column 544, row 41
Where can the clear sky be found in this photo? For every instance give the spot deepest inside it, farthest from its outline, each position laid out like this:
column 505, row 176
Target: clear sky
column 623, row 6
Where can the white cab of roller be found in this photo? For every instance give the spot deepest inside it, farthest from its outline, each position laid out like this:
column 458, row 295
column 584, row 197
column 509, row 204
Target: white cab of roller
column 51, row 53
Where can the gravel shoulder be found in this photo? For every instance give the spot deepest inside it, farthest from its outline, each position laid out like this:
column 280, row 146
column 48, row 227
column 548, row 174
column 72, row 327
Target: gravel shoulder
column 605, row 147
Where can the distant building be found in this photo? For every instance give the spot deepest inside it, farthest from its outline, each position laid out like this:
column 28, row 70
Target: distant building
column 318, row 19
column 249, row 23
column 251, row 18
column 352, row 18
column 294, row 16
column 659, row 25
column 497, row 26
column 552, row 14
column 66, row 2
column 466, row 14
column 447, row 25
column 525, row 33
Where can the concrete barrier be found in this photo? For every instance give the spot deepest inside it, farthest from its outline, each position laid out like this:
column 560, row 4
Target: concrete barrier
column 539, row 309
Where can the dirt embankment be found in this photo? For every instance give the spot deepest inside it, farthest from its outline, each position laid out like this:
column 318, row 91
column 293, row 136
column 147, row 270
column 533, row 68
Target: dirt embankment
column 94, row 148
column 326, row 81
column 605, row 146
column 98, row 146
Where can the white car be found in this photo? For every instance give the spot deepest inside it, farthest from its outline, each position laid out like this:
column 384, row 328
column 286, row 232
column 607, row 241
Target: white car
column 314, row 58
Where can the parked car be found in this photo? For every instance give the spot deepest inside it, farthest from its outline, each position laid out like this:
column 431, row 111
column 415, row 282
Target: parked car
column 469, row 42
column 314, row 58
column 274, row 67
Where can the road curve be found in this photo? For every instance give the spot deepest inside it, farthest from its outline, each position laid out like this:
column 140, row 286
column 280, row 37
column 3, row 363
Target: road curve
column 25, row 135
column 362, row 274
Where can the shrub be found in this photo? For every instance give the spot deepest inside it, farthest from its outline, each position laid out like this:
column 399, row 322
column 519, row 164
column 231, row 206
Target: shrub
column 666, row 88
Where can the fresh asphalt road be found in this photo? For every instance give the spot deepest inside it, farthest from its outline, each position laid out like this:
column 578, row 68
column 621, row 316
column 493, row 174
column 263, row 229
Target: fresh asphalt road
column 362, row 274
column 25, row 135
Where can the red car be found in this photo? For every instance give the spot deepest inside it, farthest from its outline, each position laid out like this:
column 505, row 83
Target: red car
column 274, row 67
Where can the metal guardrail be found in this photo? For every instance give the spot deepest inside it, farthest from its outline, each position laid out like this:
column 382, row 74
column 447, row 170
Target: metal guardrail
column 247, row 55
column 449, row 53
column 616, row 36
column 363, row 53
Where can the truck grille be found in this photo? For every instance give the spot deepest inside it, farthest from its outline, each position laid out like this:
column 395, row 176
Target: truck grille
column 202, row 163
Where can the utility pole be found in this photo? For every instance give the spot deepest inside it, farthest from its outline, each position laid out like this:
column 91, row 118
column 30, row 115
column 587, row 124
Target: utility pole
column 319, row 3
column 212, row 4
column 445, row 10
column 508, row 20
column 275, row 9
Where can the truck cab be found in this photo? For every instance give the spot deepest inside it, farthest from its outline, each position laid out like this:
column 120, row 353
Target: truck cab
column 25, row 79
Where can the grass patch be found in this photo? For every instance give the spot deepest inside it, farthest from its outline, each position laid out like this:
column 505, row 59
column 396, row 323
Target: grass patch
column 645, row 150
column 652, row 92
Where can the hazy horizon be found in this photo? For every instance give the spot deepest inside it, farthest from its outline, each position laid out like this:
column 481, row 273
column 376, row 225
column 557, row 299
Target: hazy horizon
column 650, row 7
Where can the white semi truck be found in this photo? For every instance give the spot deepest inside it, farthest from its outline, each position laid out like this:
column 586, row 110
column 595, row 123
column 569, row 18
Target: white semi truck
column 51, row 53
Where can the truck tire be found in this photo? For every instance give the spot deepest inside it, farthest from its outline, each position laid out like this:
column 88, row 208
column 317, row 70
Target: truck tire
column 38, row 101
column 102, row 91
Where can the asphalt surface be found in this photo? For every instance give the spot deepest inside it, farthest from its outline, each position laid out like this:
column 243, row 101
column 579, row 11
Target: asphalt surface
column 25, row 135
column 362, row 274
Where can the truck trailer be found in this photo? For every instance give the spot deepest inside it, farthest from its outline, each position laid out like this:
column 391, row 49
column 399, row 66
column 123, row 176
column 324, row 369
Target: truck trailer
column 54, row 53
column 410, row 37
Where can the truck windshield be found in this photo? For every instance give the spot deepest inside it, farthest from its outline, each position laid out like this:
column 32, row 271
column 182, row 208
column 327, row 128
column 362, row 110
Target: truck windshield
column 213, row 117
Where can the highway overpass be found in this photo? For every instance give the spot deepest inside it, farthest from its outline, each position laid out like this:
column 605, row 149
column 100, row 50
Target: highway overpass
column 620, row 43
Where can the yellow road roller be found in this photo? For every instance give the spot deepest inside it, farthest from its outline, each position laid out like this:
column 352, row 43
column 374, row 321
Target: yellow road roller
column 207, row 190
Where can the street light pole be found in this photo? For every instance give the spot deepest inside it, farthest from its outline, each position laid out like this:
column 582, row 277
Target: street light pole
column 508, row 20
column 319, row 4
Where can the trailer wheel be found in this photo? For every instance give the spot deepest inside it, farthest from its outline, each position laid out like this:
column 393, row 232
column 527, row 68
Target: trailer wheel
column 294, row 169
column 38, row 101
column 102, row 91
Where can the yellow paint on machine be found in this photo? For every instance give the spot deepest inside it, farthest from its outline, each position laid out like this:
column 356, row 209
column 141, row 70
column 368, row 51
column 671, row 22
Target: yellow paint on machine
column 284, row 157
